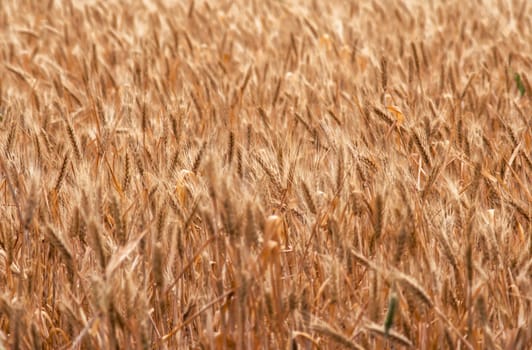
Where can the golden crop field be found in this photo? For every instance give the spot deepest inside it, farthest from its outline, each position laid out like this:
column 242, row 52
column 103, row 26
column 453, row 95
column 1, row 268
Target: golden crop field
column 265, row 174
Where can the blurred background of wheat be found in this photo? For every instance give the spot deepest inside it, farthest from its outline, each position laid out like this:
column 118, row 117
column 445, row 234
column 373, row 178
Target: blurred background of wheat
column 265, row 174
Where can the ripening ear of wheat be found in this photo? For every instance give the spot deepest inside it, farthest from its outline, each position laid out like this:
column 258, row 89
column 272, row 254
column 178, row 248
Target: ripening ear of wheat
column 242, row 175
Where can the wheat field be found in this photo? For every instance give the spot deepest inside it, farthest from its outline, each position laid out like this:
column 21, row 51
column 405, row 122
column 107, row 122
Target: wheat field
column 265, row 174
